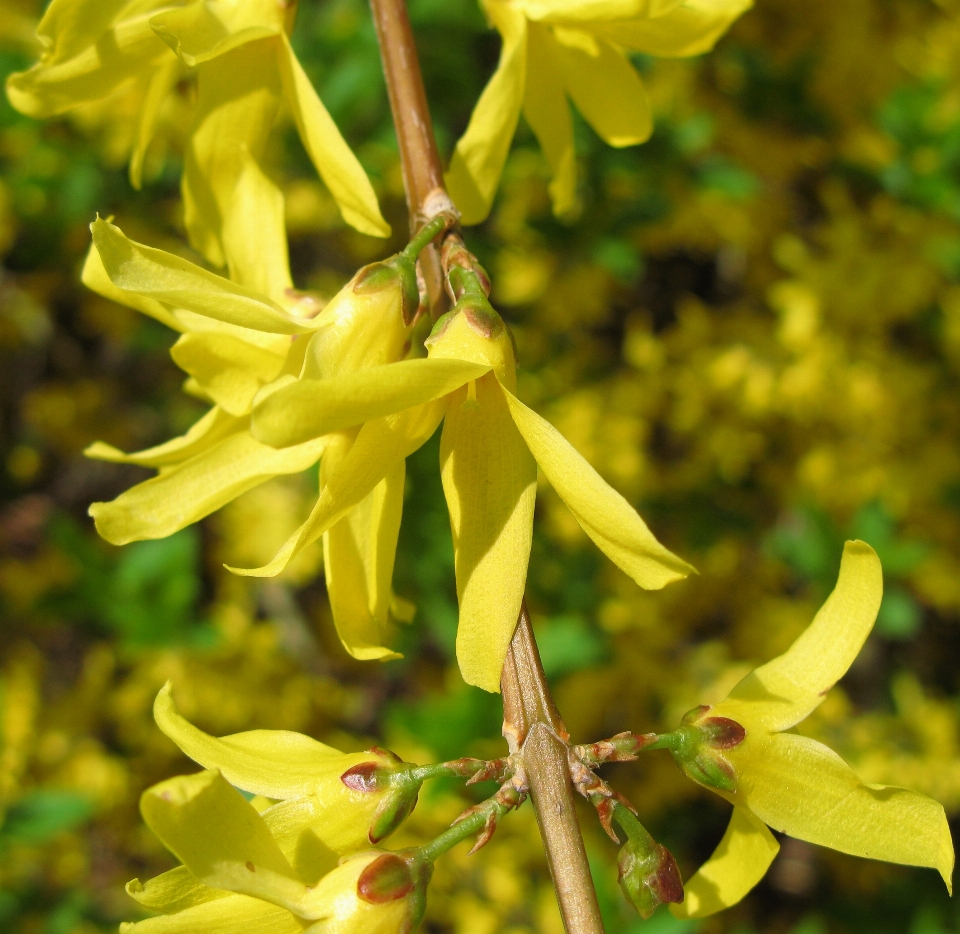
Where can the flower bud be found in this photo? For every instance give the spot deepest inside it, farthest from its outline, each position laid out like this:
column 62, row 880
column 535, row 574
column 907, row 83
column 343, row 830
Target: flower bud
column 372, row 892
column 700, row 741
column 367, row 323
column 648, row 874
column 389, row 782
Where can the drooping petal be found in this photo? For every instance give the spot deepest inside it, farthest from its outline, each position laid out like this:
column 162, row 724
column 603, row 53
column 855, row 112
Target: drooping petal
column 209, row 826
column 166, row 278
column 546, row 109
column 275, row 763
column 603, row 514
column 213, row 427
column 95, row 278
column 782, row 692
column 229, row 370
column 158, row 88
column 309, row 408
column 314, row 831
column 186, row 493
column 200, row 32
column 235, row 914
column 490, row 483
column 379, row 446
column 738, row 863
column 334, row 160
column 605, row 87
column 172, row 891
column 478, row 160
column 690, row 28
column 802, row 788
column 238, row 97
column 69, row 26
column 588, row 12
column 81, row 72
column 358, row 558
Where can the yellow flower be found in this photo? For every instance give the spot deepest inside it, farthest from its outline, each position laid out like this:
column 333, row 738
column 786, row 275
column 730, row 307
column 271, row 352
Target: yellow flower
column 238, row 344
column 555, row 49
column 246, row 871
column 795, row 784
column 489, row 451
column 244, row 67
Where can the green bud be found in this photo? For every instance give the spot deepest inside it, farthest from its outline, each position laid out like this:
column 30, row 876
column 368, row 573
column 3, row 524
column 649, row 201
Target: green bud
column 392, row 780
column 698, row 744
column 648, row 874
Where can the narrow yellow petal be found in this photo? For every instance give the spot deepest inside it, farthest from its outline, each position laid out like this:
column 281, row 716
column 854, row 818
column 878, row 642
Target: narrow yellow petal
column 209, row 826
column 197, row 34
column 229, row 370
column 88, row 72
column 334, row 160
column 166, row 278
column 275, row 763
column 309, row 408
column 604, row 514
column 379, row 446
column 690, row 28
column 186, row 493
column 358, row 558
column 592, row 11
column 69, row 26
column 213, row 427
column 235, row 914
column 95, row 278
column 605, row 87
column 238, row 97
column 802, row 788
column 782, row 692
column 172, row 891
column 480, row 155
column 490, row 482
column 158, row 88
column 738, row 863
column 546, row 109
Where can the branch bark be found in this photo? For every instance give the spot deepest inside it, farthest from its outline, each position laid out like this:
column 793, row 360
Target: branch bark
column 532, row 724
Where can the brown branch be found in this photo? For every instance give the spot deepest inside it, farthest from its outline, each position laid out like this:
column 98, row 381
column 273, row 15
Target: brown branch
column 533, row 727
column 532, row 723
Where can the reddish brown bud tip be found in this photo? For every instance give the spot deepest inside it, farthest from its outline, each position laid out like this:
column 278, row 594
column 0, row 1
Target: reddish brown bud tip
column 484, row 321
column 724, row 733
column 666, row 882
column 386, row 879
column 362, row 777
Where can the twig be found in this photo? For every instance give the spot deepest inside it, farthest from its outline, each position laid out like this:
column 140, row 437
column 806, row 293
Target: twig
column 532, row 723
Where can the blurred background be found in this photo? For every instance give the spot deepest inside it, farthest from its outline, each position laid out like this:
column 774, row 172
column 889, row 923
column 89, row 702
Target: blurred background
column 752, row 330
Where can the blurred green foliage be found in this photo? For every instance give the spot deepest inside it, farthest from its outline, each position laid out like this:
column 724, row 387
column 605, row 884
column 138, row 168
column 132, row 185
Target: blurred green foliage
column 752, row 330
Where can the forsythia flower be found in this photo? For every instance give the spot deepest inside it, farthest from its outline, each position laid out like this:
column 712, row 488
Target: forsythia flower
column 238, row 343
column 240, row 873
column 489, row 451
column 555, row 49
column 244, row 67
column 797, row 785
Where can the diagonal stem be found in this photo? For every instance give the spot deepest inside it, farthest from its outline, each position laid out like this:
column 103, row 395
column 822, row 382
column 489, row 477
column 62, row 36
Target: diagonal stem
column 532, row 723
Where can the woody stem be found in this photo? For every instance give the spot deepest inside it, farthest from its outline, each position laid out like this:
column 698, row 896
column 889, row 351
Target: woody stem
column 531, row 722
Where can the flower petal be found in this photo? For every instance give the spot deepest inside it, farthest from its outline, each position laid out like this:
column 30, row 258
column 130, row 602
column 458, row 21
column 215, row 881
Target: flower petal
column 605, row 87
column 209, row 826
column 275, row 763
column 158, row 87
column 358, row 558
column 186, row 493
column 238, row 97
column 802, row 788
column 334, row 160
column 490, row 482
column 214, row 426
column 77, row 73
column 588, row 12
column 229, row 370
column 603, row 514
column 690, row 28
column 480, row 155
column 738, row 863
column 782, row 692
column 235, row 914
column 166, row 278
column 546, row 109
column 379, row 445
column 172, row 891
column 309, row 408
column 197, row 34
